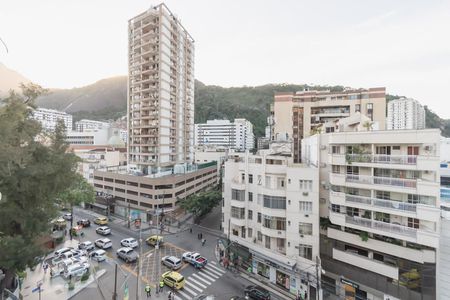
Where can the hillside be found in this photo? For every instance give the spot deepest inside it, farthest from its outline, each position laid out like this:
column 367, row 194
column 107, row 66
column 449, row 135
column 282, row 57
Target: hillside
column 10, row 79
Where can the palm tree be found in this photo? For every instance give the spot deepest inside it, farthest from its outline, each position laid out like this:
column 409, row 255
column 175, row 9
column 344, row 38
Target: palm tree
column 368, row 125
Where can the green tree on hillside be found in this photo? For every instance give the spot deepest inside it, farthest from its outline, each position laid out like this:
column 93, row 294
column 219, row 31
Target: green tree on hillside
column 35, row 169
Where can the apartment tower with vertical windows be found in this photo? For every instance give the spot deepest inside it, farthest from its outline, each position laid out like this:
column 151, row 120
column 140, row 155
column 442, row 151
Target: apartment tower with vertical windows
column 160, row 91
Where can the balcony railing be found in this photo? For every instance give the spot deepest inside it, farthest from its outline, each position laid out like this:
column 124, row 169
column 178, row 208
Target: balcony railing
column 397, row 205
column 366, row 179
column 383, row 159
column 382, row 226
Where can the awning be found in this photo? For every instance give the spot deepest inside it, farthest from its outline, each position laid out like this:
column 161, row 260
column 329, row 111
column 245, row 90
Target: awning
column 98, row 205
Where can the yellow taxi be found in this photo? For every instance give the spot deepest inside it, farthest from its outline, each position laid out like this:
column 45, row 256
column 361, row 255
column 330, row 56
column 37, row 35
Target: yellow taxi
column 154, row 239
column 101, row 221
column 173, row 279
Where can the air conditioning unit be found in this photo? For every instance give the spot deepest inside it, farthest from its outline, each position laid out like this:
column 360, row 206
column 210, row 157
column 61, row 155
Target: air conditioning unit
column 306, row 216
column 427, row 172
column 305, row 193
column 428, row 148
column 301, row 235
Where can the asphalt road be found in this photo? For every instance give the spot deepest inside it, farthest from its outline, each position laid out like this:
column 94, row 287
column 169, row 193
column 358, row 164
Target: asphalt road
column 212, row 280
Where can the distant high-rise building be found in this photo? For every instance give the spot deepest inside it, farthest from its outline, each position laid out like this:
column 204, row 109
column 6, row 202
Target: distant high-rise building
column 237, row 135
column 160, row 91
column 405, row 113
column 49, row 118
column 84, row 125
column 299, row 115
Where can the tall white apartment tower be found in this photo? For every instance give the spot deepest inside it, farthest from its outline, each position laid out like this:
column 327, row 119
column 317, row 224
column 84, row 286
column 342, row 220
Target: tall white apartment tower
column 405, row 113
column 160, row 91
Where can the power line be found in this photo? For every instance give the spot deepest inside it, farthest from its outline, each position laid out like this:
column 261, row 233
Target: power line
column 4, row 44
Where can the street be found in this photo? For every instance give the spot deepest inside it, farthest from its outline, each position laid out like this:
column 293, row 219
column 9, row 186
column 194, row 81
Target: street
column 211, row 280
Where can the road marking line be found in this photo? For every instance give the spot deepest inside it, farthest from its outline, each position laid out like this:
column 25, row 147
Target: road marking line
column 148, row 256
column 213, row 262
column 185, row 296
column 189, row 291
column 214, row 271
column 210, row 274
column 178, row 298
column 204, row 280
column 196, row 282
column 217, row 269
column 193, row 286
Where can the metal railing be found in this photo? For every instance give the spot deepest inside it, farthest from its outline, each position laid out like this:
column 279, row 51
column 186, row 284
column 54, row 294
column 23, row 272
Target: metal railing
column 391, row 204
column 383, row 159
column 382, row 226
column 407, row 183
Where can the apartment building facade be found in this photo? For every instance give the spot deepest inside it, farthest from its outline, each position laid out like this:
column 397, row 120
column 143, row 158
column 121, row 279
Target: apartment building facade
column 49, row 118
column 160, row 91
column 379, row 202
column 237, row 135
column 298, row 115
column 405, row 113
column 270, row 214
column 84, row 125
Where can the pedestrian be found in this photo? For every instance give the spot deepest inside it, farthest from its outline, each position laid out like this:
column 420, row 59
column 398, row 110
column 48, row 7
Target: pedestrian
column 190, row 230
column 170, row 296
column 203, row 242
column 65, row 232
column 201, row 235
column 161, row 286
column 45, row 267
column 148, row 290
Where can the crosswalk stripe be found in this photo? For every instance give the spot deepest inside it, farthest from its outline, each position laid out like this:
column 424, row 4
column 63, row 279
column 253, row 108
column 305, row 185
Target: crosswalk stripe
column 177, row 298
column 214, row 272
column 216, row 268
column 184, row 295
column 189, row 291
column 193, row 286
column 213, row 262
column 197, row 283
column 209, row 273
column 204, row 280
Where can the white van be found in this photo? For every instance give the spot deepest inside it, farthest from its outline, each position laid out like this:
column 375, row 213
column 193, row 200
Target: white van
column 61, row 251
column 75, row 270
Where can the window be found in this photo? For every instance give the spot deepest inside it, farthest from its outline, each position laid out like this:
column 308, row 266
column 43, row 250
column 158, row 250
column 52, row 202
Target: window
column 383, row 195
column 238, row 195
column 259, row 236
column 306, row 185
column 237, row 212
column 305, row 228
column 249, row 232
column 413, row 223
column 336, row 169
column 329, row 129
column 352, row 211
column 267, row 184
column 267, row 241
column 280, row 183
column 277, row 223
column 275, row 202
column 259, row 218
column 305, row 206
column 336, row 149
column 358, row 108
column 281, row 243
column 250, row 197
column 305, row 251
column 250, row 178
column 243, row 177
column 250, row 214
column 335, row 208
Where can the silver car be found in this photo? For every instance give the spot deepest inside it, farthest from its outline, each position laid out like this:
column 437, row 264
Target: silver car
column 127, row 254
column 172, row 262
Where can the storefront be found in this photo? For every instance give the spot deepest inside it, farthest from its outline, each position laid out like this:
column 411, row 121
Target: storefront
column 263, row 269
column 283, row 280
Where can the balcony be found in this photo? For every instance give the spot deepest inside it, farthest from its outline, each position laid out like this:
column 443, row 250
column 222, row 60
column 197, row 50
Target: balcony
column 389, row 181
column 381, row 203
column 237, row 220
column 276, row 233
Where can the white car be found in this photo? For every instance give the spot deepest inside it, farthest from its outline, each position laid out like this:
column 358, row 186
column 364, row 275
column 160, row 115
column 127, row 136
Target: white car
column 127, row 254
column 87, row 246
column 98, row 255
column 67, row 216
column 61, row 251
column 103, row 230
column 103, row 243
column 75, row 270
column 129, row 242
column 172, row 262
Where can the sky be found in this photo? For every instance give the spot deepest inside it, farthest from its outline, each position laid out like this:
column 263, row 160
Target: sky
column 403, row 45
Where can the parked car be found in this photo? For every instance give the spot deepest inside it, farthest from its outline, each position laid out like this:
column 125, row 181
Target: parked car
column 172, row 262
column 61, row 251
column 204, row 297
column 129, row 242
column 103, row 230
column 256, row 292
column 59, row 224
column 239, row 298
column 84, row 223
column 98, row 255
column 173, row 279
column 86, row 245
column 67, row 216
column 103, row 243
column 101, row 221
column 195, row 259
column 154, row 239
column 75, row 270
column 127, row 254
column 71, row 253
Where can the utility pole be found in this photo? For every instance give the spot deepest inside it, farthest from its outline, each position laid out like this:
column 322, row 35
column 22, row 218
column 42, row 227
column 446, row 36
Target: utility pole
column 138, row 291
column 318, row 273
column 71, row 223
column 114, row 296
column 129, row 214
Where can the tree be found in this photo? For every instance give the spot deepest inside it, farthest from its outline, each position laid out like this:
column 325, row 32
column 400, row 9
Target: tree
column 368, row 125
column 201, row 203
column 35, row 169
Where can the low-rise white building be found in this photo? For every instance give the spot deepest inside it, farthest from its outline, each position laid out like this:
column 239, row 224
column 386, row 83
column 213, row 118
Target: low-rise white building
column 87, row 125
column 49, row 118
column 405, row 113
column 222, row 133
column 379, row 202
column 271, row 215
